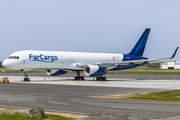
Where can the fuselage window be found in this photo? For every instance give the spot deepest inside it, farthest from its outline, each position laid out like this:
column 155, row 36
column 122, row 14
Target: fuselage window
column 17, row 57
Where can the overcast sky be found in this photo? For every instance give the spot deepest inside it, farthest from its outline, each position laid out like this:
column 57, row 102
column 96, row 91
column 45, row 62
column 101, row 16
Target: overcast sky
column 108, row 26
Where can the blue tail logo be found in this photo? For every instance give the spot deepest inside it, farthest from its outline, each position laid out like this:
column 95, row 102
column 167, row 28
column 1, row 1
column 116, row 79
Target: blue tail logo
column 138, row 49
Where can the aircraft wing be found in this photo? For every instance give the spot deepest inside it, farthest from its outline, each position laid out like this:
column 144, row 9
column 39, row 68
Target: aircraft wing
column 111, row 64
column 135, row 61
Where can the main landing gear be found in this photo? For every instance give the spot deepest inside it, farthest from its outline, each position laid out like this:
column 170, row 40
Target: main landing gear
column 101, row 78
column 78, row 77
column 25, row 76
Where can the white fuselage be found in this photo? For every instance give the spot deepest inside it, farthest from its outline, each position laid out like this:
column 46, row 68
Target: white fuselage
column 57, row 59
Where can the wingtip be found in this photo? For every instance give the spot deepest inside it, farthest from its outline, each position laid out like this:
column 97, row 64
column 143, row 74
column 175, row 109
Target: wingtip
column 175, row 53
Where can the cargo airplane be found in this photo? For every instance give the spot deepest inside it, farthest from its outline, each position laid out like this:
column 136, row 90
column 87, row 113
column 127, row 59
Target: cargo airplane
column 92, row 64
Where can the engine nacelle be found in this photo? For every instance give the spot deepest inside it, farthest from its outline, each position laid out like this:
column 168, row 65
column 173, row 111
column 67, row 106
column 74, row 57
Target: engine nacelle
column 94, row 70
column 55, row 72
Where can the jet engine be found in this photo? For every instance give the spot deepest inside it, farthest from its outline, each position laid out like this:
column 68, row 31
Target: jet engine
column 94, row 70
column 55, row 72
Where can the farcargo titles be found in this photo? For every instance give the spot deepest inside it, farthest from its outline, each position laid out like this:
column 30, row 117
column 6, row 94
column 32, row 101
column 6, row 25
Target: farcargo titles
column 43, row 58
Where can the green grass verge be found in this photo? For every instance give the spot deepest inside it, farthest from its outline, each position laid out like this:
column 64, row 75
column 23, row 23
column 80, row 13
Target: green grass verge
column 168, row 96
column 30, row 71
column 24, row 116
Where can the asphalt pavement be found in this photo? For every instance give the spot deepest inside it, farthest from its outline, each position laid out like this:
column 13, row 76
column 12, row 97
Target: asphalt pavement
column 76, row 99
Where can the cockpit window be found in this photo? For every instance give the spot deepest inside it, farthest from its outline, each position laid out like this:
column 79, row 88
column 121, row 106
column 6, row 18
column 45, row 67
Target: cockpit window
column 10, row 57
column 13, row 57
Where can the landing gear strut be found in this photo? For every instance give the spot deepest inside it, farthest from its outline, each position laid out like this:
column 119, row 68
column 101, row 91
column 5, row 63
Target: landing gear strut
column 78, row 77
column 101, row 78
column 25, row 76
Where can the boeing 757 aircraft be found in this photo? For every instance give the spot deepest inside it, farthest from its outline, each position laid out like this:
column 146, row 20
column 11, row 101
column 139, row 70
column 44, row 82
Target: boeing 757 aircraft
column 92, row 64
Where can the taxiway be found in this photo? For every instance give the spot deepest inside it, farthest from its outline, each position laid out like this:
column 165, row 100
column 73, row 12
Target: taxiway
column 63, row 94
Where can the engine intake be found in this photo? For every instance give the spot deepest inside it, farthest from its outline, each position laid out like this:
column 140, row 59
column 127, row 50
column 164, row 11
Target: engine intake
column 94, row 70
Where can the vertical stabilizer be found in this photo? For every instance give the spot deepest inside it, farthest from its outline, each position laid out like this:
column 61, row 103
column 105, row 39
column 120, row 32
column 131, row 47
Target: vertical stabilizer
column 138, row 49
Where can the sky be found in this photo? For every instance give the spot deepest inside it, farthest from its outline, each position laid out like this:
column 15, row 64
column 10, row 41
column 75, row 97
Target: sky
column 105, row 26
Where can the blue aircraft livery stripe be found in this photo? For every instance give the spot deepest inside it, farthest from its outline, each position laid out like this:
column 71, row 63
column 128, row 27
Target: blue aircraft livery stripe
column 128, row 57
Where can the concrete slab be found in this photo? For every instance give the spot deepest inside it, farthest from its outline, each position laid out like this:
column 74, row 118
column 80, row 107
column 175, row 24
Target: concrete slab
column 111, row 82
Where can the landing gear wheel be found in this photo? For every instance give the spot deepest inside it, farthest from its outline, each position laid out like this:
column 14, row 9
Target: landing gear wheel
column 101, row 78
column 82, row 77
column 25, row 76
column 26, row 79
column 79, row 77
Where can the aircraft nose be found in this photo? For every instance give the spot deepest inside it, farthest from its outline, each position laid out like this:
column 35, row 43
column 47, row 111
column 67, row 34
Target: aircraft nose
column 6, row 63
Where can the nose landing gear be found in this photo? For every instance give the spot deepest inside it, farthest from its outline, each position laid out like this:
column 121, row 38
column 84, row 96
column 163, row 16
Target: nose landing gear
column 25, row 76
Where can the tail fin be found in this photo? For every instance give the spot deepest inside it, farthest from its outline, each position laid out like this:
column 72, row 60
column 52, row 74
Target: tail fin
column 138, row 49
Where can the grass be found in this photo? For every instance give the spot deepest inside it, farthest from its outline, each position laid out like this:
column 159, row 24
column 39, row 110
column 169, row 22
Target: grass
column 30, row 71
column 168, row 96
column 24, row 116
